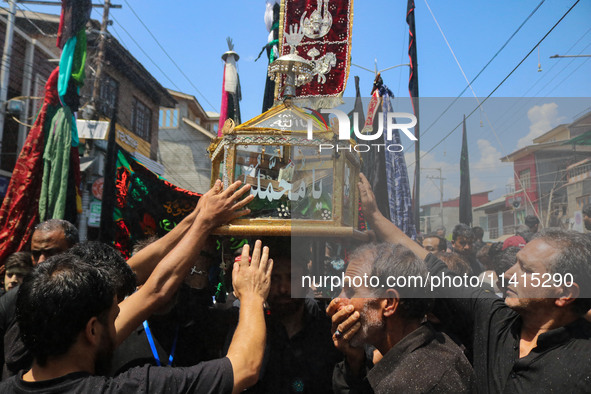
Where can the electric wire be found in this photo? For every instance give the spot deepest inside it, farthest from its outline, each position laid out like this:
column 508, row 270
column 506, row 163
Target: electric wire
column 18, row 6
column 506, row 77
column 481, row 103
column 169, row 57
column 486, row 65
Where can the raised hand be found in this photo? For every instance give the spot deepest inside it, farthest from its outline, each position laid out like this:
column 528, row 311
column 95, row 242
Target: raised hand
column 217, row 206
column 369, row 205
column 295, row 35
column 345, row 324
column 251, row 277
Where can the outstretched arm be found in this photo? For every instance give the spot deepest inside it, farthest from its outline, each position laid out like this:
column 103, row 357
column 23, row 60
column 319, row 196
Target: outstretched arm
column 216, row 207
column 466, row 303
column 385, row 229
column 251, row 285
column 144, row 262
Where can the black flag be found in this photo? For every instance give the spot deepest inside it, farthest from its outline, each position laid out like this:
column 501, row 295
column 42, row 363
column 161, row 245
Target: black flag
column 465, row 194
column 272, row 47
column 413, row 90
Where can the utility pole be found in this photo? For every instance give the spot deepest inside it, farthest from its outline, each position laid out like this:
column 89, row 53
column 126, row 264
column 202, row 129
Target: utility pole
column 5, row 72
column 101, row 55
column 441, row 179
column 7, row 53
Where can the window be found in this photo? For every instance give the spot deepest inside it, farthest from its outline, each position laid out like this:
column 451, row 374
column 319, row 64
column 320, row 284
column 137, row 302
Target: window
column 524, row 179
column 583, row 200
column 169, row 118
column 140, row 120
column 483, row 222
column 109, row 89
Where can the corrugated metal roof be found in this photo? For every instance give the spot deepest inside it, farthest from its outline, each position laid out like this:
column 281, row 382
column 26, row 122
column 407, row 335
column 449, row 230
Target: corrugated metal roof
column 150, row 164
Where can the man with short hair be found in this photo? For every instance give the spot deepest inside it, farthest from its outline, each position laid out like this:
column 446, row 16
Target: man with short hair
column 440, row 231
column 17, row 266
column 478, row 242
column 300, row 355
column 533, row 223
column 417, row 358
column 462, row 241
column 99, row 255
column 161, row 267
column 535, row 339
column 67, row 312
column 52, row 237
column 587, row 216
column 434, row 243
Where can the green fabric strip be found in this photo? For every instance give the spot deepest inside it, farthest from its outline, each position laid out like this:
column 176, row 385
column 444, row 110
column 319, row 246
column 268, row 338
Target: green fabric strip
column 56, row 165
column 66, row 63
column 79, row 59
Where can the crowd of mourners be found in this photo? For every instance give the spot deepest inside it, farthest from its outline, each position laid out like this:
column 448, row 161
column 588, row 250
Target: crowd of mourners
column 77, row 318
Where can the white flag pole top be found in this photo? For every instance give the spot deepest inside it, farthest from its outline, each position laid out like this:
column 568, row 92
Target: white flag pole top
column 230, row 58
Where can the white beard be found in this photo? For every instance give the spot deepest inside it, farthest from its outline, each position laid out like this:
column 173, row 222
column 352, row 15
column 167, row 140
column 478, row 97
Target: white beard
column 370, row 322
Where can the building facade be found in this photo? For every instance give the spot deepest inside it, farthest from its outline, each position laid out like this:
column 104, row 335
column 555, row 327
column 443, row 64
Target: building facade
column 128, row 94
column 432, row 213
column 186, row 131
column 31, row 63
column 547, row 179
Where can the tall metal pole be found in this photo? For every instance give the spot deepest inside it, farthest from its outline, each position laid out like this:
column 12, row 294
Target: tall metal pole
column 441, row 196
column 5, row 72
column 101, row 54
column 26, row 92
column 441, row 179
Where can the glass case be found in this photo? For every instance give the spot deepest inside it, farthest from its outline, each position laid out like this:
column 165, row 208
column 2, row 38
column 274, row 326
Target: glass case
column 302, row 186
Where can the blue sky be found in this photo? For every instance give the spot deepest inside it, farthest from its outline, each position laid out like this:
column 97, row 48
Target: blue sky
column 193, row 33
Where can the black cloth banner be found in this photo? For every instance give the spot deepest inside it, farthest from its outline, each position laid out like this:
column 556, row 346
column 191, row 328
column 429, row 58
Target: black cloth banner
column 145, row 204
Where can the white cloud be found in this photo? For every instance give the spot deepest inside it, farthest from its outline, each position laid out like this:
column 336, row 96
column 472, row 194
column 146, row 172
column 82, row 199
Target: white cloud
column 477, row 185
column 542, row 118
column 489, row 156
column 430, row 187
column 487, row 172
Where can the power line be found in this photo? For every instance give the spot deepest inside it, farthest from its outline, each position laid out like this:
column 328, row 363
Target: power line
column 463, row 74
column 146, row 54
column 504, row 79
column 570, row 74
column 31, row 22
column 169, row 57
column 140, row 48
column 486, row 65
column 525, row 102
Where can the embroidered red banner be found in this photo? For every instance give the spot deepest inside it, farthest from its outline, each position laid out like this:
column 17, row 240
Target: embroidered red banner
column 320, row 32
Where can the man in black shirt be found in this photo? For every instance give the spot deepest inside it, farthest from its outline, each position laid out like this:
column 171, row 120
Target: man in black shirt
column 160, row 267
column 417, row 358
column 462, row 241
column 434, row 243
column 67, row 311
column 535, row 340
column 49, row 238
column 300, row 356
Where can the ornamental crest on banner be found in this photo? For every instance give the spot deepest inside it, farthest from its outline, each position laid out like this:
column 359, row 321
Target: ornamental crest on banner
column 320, row 32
